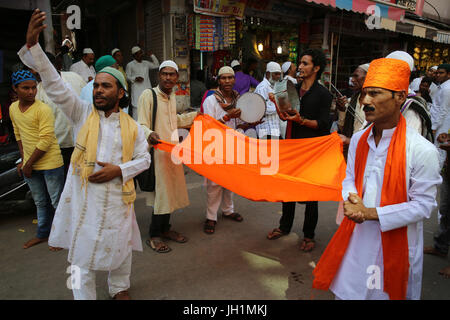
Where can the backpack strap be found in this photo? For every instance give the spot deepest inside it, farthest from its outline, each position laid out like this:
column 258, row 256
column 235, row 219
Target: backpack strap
column 155, row 107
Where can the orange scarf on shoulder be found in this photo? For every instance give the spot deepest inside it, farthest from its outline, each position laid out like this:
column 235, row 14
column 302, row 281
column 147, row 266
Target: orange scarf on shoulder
column 394, row 242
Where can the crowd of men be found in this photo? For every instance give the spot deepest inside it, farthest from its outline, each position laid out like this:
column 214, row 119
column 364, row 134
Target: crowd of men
column 81, row 151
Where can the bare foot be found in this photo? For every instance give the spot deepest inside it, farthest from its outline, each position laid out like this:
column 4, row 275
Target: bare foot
column 34, row 242
column 54, row 249
column 434, row 252
column 445, row 272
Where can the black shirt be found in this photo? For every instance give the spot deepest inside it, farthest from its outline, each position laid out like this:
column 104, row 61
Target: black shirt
column 314, row 105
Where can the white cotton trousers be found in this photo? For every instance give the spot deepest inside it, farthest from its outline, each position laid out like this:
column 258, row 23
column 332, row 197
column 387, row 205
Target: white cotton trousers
column 217, row 195
column 118, row 280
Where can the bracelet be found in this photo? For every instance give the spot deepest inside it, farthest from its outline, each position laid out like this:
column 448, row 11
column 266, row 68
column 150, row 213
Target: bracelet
column 226, row 118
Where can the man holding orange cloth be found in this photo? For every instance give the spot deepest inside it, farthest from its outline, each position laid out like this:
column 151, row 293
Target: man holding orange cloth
column 390, row 187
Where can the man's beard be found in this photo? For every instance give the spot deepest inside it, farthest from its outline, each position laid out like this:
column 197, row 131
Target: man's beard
column 272, row 82
column 109, row 105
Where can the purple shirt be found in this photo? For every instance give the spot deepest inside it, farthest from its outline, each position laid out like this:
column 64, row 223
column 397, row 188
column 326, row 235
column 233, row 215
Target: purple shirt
column 244, row 82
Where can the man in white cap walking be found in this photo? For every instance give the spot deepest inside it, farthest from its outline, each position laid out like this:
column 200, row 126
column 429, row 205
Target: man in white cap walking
column 270, row 128
column 85, row 67
column 170, row 185
column 289, row 70
column 138, row 74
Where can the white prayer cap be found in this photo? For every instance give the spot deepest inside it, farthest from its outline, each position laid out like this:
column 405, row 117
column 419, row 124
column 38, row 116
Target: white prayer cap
column 235, row 63
column 168, row 63
column 114, row 51
column 225, row 70
column 434, row 68
column 402, row 55
column 135, row 50
column 273, row 67
column 365, row 67
column 285, row 67
column 88, row 51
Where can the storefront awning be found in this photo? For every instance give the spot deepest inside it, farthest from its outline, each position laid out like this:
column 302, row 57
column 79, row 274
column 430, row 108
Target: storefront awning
column 361, row 6
column 416, row 29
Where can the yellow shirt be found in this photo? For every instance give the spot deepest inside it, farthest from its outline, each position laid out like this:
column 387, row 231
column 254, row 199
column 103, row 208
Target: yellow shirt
column 35, row 128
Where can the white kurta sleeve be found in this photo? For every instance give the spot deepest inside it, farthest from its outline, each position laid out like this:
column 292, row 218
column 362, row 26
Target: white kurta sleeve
column 145, row 112
column 424, row 179
column 141, row 158
column 348, row 185
column 186, row 119
column 154, row 64
column 73, row 107
column 444, row 107
column 130, row 74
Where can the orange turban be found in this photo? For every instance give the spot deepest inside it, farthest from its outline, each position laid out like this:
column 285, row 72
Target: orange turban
column 390, row 74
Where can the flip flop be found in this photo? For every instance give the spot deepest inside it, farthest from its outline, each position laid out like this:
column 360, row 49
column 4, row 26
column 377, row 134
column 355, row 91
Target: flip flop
column 154, row 244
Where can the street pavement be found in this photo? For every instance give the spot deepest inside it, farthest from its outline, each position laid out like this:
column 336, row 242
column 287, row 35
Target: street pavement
column 235, row 263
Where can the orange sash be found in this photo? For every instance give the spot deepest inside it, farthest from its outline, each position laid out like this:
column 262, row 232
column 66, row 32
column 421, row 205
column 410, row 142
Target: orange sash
column 394, row 242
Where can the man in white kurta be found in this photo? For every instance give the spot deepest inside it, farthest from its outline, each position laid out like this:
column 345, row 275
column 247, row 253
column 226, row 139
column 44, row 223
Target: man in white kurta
column 85, row 67
column 218, row 196
column 360, row 274
column 422, row 173
column 170, row 188
column 270, row 128
column 93, row 222
column 441, row 105
column 138, row 74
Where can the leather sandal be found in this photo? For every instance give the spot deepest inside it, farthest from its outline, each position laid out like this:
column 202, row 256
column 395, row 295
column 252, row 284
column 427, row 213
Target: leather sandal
column 233, row 216
column 210, row 226
column 158, row 245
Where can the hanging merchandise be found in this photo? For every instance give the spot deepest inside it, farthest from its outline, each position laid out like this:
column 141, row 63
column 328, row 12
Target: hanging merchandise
column 427, row 54
column 206, row 33
column 232, row 30
column 190, row 30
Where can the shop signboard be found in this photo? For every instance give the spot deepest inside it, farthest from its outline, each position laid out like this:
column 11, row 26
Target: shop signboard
column 275, row 10
column 220, row 8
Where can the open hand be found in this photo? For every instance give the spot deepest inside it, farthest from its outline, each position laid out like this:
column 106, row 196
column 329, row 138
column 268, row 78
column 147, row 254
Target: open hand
column 109, row 172
column 35, row 27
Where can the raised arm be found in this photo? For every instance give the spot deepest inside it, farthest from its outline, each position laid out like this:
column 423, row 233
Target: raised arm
column 154, row 64
column 34, row 57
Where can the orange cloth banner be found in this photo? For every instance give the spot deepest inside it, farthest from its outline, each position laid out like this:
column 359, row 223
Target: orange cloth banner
column 309, row 169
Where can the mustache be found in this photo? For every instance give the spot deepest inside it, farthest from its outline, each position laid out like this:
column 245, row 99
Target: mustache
column 368, row 108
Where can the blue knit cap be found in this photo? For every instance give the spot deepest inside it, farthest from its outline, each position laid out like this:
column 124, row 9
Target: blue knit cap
column 21, row 76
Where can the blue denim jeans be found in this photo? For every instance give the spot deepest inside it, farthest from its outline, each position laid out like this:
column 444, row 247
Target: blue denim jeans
column 46, row 187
